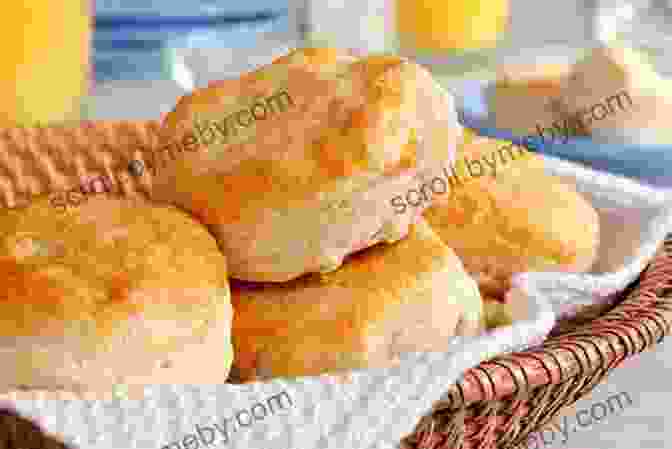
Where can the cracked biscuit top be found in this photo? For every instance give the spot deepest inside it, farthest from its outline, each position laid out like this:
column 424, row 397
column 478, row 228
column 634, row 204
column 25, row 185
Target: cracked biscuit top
column 292, row 165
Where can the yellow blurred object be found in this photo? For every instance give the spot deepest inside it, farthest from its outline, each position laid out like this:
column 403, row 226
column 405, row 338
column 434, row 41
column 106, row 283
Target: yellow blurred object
column 45, row 62
column 448, row 25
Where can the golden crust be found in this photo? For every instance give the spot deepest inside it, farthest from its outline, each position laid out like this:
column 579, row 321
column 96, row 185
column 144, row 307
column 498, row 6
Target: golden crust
column 87, row 281
column 409, row 296
column 350, row 127
column 521, row 220
column 312, row 82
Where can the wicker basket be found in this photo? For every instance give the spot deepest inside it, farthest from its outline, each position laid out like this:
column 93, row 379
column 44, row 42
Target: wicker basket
column 496, row 405
column 501, row 402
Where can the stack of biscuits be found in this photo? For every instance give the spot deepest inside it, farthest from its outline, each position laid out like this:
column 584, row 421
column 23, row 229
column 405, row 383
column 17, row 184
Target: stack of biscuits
column 273, row 250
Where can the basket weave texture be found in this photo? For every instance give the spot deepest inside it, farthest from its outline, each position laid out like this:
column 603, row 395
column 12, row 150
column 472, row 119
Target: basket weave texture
column 499, row 403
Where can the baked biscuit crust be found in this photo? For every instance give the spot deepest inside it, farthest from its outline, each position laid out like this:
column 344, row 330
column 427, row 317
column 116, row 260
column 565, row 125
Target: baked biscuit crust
column 296, row 193
column 386, row 300
column 522, row 219
column 116, row 291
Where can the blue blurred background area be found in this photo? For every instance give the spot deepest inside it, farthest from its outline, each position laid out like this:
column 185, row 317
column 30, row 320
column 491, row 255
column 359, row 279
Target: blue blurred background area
column 186, row 8
column 647, row 163
column 136, row 39
column 150, row 52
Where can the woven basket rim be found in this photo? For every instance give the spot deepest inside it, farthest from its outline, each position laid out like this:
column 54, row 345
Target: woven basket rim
column 502, row 400
column 641, row 319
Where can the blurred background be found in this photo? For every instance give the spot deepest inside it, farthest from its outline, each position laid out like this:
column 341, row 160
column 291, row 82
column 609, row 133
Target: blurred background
column 134, row 39
column 138, row 39
column 132, row 59
column 71, row 49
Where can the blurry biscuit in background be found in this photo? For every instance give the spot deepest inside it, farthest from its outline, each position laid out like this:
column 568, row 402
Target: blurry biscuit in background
column 526, row 96
column 113, row 294
column 409, row 296
column 620, row 97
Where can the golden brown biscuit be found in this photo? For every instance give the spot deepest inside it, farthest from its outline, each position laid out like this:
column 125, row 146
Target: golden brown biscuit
column 410, row 296
column 522, row 219
column 291, row 166
column 115, row 292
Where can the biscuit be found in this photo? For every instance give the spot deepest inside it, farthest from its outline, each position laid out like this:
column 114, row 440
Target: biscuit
column 619, row 97
column 409, row 296
column 521, row 219
column 291, row 166
column 524, row 97
column 116, row 292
